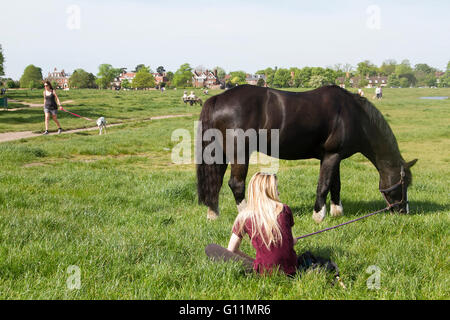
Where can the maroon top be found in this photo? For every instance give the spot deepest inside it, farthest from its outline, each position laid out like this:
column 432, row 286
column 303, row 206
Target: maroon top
column 277, row 255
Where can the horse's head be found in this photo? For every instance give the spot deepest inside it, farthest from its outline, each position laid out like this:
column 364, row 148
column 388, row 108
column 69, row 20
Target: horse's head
column 396, row 193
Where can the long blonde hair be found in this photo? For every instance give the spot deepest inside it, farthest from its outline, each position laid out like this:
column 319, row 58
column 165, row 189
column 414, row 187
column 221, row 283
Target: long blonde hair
column 263, row 208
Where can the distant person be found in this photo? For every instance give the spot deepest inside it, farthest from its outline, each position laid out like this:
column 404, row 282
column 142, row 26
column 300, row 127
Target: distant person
column 378, row 93
column 192, row 96
column 51, row 103
column 3, row 91
column 361, row 92
column 185, row 96
column 205, row 91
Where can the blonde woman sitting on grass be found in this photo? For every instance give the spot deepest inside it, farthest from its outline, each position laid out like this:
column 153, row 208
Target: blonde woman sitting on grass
column 268, row 222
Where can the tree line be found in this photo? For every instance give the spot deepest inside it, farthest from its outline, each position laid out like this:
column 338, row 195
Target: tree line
column 398, row 75
column 401, row 74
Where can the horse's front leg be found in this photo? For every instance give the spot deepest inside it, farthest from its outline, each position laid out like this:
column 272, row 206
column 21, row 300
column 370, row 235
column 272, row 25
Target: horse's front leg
column 328, row 166
column 237, row 184
column 336, row 208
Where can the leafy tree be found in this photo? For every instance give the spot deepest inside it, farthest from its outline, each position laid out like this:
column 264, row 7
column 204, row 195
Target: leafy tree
column 347, row 83
column 424, row 68
column 11, row 84
column 261, row 82
column 126, row 84
column 338, row 70
column 317, row 81
column 430, row 80
column 388, row 67
column 143, row 79
column 302, row 77
column 281, row 78
column 425, row 75
column 363, row 82
column 238, row 77
column 2, row 60
column 160, row 70
column 183, row 76
column 106, row 75
column 269, row 73
column 404, row 83
column 138, row 67
column 330, row 75
column 169, row 76
column 31, row 78
column 403, row 68
column 82, row 79
column 347, row 68
column 404, row 71
column 393, row 80
column 444, row 81
column 220, row 72
column 366, row 68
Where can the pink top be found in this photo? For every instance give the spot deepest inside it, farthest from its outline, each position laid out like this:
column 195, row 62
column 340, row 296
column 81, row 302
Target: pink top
column 277, row 255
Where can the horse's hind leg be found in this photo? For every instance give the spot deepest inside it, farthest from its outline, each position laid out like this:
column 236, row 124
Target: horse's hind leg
column 237, row 184
column 336, row 208
column 215, row 182
column 328, row 167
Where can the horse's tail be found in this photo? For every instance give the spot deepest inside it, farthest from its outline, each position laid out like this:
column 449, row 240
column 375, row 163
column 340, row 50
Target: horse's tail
column 209, row 176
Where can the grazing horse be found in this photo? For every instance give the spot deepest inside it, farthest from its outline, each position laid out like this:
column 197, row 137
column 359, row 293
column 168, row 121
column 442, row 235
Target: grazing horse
column 328, row 123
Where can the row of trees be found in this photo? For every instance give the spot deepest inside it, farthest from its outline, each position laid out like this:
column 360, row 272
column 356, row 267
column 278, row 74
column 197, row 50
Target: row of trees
column 399, row 75
column 403, row 74
column 32, row 78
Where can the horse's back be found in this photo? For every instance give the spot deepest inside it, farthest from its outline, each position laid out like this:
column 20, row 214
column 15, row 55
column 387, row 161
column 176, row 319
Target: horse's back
column 308, row 122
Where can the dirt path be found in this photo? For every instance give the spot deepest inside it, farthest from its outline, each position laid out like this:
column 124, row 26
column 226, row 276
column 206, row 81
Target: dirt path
column 10, row 136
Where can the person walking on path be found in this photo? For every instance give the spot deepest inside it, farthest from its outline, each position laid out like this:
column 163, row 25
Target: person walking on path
column 51, row 104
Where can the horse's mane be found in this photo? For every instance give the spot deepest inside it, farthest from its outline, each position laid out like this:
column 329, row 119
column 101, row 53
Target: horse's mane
column 376, row 118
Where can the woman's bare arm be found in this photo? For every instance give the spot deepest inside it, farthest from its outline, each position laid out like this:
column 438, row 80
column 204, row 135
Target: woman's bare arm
column 57, row 99
column 234, row 244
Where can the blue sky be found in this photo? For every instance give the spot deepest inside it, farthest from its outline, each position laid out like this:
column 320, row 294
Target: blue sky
column 236, row 35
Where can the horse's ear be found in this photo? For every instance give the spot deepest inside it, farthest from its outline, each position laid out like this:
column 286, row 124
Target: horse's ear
column 411, row 163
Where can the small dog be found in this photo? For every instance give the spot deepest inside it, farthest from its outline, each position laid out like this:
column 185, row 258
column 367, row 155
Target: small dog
column 101, row 123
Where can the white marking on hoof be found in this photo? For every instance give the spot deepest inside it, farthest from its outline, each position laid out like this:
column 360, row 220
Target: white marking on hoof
column 319, row 216
column 336, row 210
column 407, row 203
column 212, row 215
column 241, row 206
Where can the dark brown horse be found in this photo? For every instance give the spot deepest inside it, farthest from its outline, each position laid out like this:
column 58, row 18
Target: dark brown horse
column 328, row 123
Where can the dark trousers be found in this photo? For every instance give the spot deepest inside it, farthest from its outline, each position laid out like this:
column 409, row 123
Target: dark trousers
column 305, row 261
column 219, row 253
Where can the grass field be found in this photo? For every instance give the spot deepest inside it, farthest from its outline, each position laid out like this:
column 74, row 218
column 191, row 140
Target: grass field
column 116, row 106
column 117, row 207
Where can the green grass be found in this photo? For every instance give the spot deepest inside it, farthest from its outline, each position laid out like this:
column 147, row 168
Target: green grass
column 119, row 209
column 115, row 106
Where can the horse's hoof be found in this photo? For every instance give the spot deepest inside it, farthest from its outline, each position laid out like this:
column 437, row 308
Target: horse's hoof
column 319, row 216
column 212, row 215
column 336, row 210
